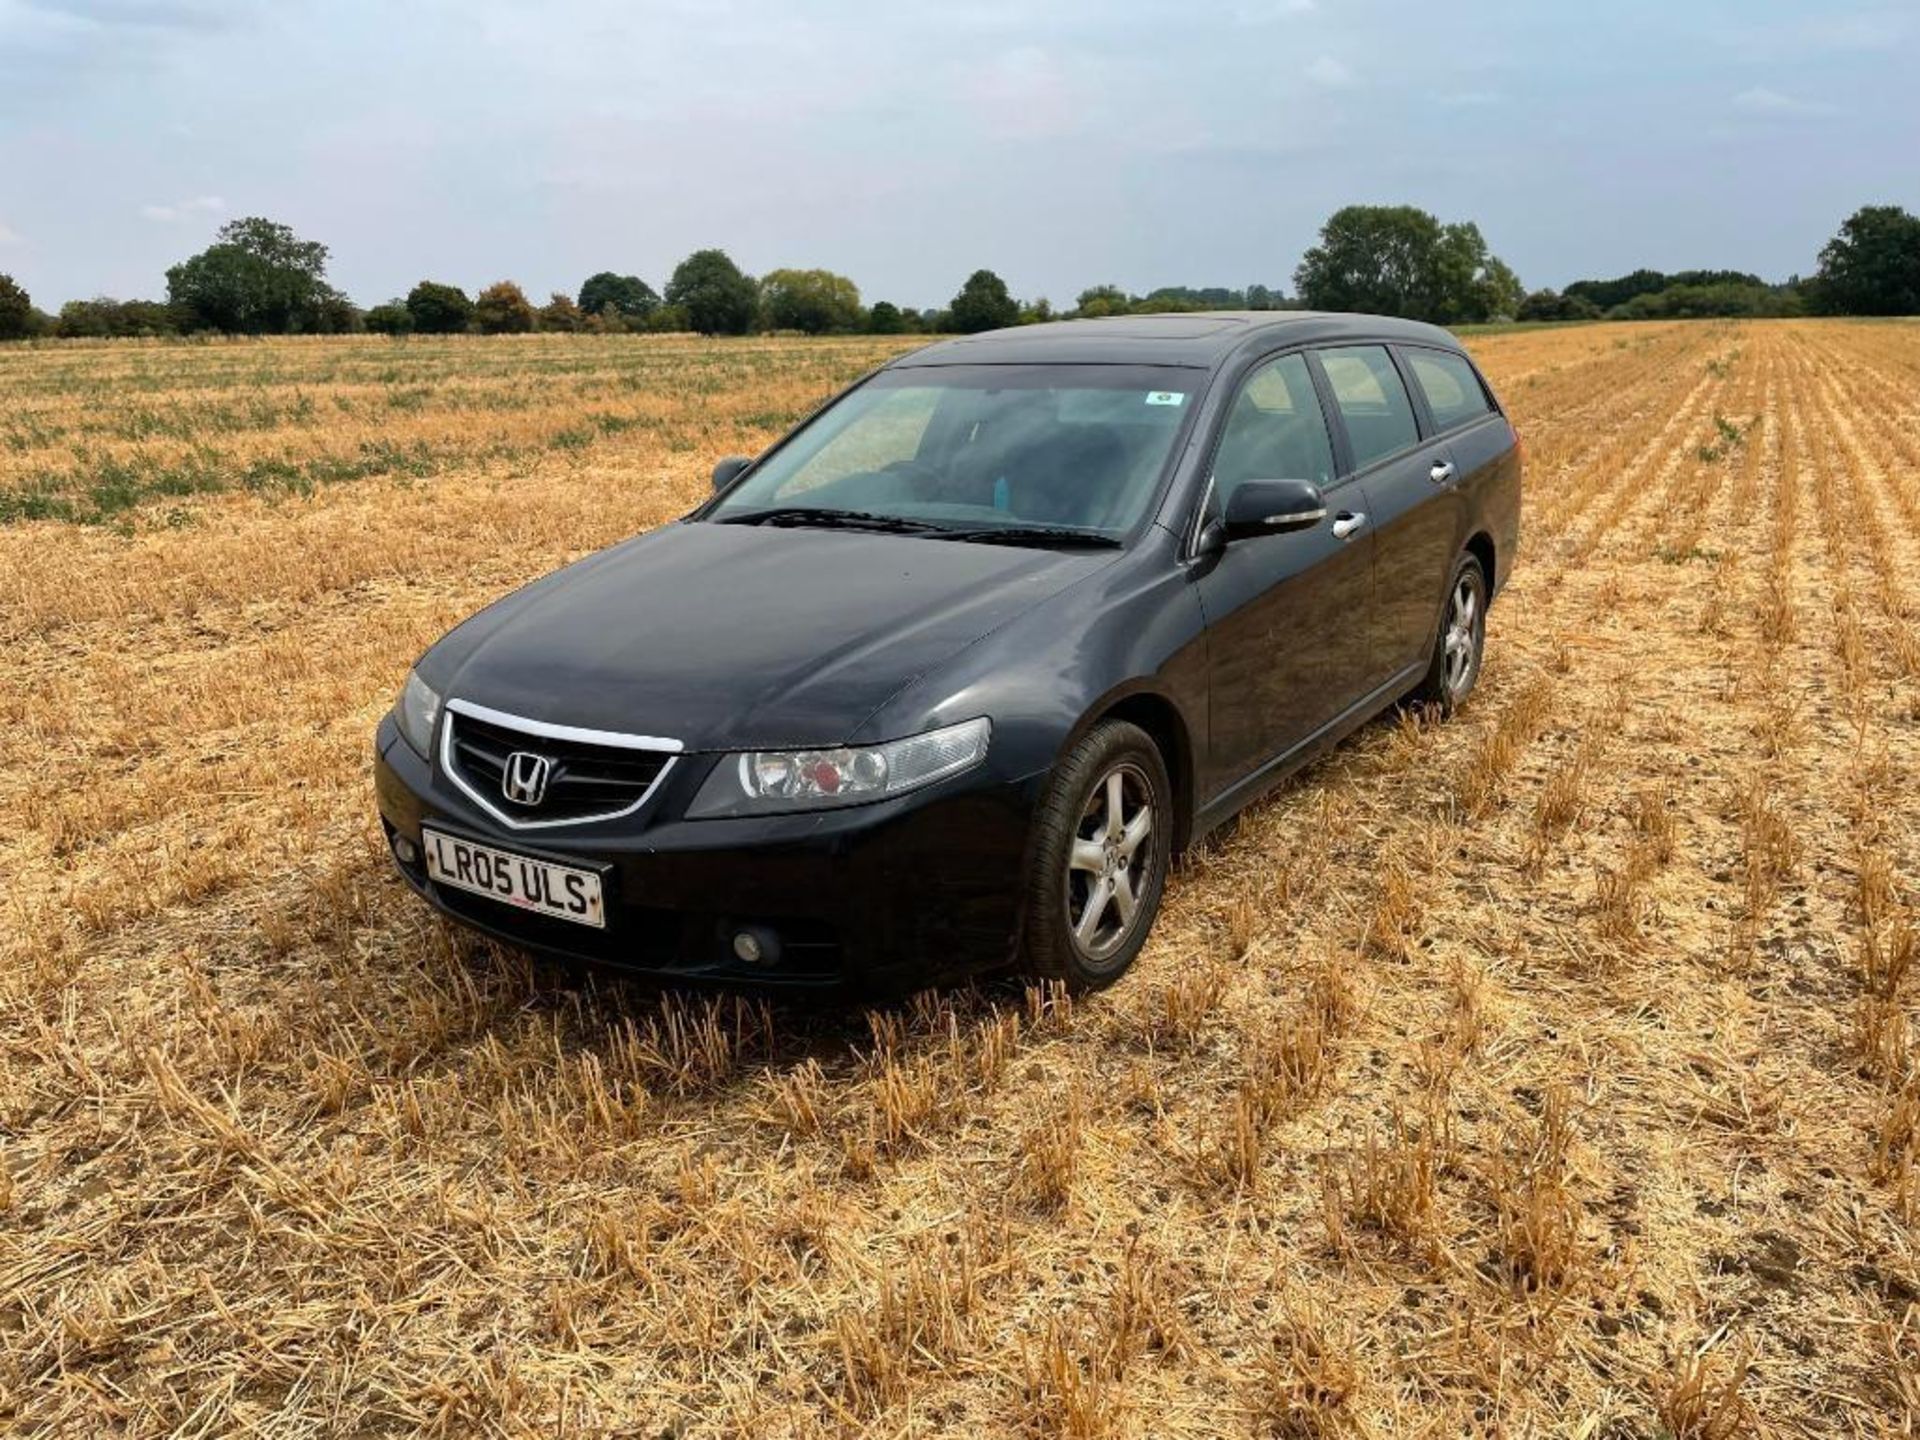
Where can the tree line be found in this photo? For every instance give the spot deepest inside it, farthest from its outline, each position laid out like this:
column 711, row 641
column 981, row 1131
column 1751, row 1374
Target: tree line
column 260, row 278
column 1870, row 267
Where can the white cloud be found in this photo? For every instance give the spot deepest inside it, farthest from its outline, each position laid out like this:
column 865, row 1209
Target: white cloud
column 1762, row 101
column 1472, row 99
column 1329, row 72
column 9, row 236
column 183, row 209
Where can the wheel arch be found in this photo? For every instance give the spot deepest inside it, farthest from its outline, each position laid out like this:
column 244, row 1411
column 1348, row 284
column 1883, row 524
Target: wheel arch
column 1167, row 727
column 1480, row 546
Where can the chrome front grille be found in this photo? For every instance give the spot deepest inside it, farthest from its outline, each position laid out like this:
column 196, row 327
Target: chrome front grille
column 588, row 775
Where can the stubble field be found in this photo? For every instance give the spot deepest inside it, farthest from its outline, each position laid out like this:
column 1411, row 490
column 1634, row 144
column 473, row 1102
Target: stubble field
column 1550, row 1071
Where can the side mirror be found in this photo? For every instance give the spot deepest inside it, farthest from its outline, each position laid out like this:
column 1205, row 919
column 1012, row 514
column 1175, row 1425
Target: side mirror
column 1273, row 507
column 728, row 470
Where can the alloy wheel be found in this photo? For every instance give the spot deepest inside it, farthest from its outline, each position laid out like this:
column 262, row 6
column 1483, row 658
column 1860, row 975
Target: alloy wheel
column 1463, row 635
column 1109, row 868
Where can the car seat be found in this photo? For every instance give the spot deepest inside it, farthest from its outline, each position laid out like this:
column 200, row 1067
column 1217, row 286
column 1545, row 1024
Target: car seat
column 1069, row 478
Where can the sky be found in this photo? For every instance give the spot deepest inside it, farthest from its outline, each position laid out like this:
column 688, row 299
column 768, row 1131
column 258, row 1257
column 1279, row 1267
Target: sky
column 1062, row 144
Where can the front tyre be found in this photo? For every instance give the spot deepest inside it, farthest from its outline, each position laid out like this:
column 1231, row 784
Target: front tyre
column 1462, row 642
column 1102, row 842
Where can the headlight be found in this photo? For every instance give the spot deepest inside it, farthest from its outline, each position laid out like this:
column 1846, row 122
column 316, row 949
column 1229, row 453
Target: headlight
column 766, row 782
column 419, row 707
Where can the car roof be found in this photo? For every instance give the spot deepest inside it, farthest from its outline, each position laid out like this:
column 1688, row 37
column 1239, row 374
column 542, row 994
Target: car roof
column 1204, row 339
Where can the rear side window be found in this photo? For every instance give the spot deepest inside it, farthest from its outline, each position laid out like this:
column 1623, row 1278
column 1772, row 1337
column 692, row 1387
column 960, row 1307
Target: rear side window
column 1275, row 430
column 1372, row 401
column 1454, row 393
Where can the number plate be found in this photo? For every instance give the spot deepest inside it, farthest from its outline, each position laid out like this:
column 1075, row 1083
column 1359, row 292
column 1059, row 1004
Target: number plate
column 518, row 880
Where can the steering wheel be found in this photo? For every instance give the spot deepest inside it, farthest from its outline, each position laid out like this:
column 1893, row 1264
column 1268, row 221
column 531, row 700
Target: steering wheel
column 916, row 480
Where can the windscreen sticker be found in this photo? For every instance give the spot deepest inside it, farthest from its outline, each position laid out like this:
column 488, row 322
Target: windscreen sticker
column 1165, row 397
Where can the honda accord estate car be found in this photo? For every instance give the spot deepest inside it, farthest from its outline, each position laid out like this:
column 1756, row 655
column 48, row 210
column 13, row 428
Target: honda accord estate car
column 946, row 678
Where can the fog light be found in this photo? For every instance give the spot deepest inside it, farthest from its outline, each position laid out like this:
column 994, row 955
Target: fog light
column 404, row 850
column 756, row 945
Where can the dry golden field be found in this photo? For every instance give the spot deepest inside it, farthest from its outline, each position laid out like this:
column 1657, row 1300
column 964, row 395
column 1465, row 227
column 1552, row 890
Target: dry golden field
column 1554, row 1071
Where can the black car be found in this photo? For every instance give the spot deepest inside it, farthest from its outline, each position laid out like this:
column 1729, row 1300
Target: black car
column 947, row 677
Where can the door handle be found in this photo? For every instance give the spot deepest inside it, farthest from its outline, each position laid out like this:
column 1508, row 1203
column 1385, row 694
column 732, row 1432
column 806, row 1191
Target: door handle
column 1441, row 472
column 1346, row 522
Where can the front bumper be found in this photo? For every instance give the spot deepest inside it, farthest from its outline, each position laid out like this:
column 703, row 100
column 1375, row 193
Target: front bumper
column 885, row 896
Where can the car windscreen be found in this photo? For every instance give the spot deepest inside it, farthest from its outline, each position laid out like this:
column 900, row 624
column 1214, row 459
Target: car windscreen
column 978, row 447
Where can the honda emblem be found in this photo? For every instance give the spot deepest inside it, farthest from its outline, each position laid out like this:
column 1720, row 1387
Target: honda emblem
column 524, row 780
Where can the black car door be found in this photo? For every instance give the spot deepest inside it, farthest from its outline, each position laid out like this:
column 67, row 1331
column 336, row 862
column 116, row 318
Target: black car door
column 1459, row 410
column 1414, row 508
column 1287, row 615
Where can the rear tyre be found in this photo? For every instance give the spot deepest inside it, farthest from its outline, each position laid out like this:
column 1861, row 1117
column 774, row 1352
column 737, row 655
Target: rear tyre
column 1097, row 864
column 1462, row 642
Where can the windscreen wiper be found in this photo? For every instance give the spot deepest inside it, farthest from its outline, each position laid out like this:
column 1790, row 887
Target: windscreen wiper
column 826, row 518
column 1031, row 535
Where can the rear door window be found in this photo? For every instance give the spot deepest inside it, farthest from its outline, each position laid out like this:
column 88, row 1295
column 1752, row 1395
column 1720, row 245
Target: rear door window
column 1372, row 401
column 1454, row 393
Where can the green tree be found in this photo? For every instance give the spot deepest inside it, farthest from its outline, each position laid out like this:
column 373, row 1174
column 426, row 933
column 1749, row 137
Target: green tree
column 628, row 294
column 1102, row 300
column 713, row 293
column 1497, row 291
column 1453, row 289
column 258, row 277
column 1872, row 267
column 439, row 309
column 1382, row 259
column 885, row 319
column 1712, row 299
column 1539, row 305
column 1551, row 305
column 16, row 310
column 1176, row 299
column 103, row 317
column 1037, row 312
column 561, row 314
column 86, row 319
column 392, row 318
column 813, row 301
column 503, row 309
column 1605, row 294
column 145, row 318
column 332, row 313
column 669, row 320
column 1400, row 260
column 983, row 304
